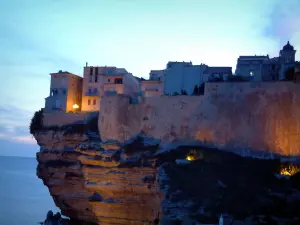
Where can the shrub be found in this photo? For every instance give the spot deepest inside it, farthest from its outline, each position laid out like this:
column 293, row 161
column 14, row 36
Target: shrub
column 36, row 122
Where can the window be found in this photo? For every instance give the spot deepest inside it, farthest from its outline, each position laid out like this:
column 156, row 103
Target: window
column 96, row 70
column 96, row 78
column 94, row 102
column 89, row 101
column 251, row 73
column 64, row 91
column 118, row 81
column 91, row 78
column 95, row 90
column 91, row 71
column 108, row 80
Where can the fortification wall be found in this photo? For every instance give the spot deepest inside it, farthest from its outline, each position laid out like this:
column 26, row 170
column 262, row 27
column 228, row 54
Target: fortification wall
column 60, row 119
column 247, row 115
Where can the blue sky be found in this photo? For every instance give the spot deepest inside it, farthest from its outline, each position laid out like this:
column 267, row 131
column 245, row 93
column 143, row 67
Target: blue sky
column 38, row 37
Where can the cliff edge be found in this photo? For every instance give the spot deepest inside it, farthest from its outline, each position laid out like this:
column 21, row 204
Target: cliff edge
column 137, row 182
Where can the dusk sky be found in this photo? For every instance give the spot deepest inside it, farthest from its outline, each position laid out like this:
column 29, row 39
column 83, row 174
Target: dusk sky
column 42, row 36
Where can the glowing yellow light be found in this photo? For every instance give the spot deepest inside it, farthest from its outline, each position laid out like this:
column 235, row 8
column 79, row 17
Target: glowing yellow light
column 285, row 172
column 290, row 170
column 190, row 158
column 75, row 106
column 192, row 155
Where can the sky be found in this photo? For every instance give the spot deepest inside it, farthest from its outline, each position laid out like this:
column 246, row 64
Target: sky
column 38, row 37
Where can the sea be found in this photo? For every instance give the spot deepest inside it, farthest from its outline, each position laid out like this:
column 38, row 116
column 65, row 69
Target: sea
column 24, row 200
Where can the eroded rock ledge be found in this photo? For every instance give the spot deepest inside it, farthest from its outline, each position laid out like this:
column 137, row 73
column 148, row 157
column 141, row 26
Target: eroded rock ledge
column 138, row 183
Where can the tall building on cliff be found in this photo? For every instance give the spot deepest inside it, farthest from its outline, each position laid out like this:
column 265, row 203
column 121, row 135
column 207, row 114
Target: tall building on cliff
column 65, row 92
column 101, row 81
column 264, row 68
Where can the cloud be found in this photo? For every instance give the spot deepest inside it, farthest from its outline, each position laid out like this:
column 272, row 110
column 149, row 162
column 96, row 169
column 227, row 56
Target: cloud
column 284, row 20
column 14, row 124
column 15, row 138
column 24, row 139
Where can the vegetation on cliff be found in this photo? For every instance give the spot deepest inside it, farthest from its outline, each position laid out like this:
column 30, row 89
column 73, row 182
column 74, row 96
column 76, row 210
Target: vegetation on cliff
column 36, row 122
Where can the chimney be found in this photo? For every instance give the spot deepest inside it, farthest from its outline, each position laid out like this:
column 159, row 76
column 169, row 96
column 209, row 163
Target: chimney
column 86, row 64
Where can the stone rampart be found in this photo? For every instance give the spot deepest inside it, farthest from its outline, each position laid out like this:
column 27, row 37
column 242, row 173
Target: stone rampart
column 60, row 119
column 246, row 115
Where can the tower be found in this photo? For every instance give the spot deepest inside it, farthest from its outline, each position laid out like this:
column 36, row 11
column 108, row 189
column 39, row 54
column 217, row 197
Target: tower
column 287, row 54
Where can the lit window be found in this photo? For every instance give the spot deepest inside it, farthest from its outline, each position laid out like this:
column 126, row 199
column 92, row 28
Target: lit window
column 89, row 101
column 251, row 73
column 94, row 102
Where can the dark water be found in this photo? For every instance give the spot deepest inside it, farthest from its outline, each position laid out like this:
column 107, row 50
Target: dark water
column 24, row 200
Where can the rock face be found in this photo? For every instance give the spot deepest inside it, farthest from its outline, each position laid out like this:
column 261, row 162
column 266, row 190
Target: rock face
column 97, row 185
column 136, row 183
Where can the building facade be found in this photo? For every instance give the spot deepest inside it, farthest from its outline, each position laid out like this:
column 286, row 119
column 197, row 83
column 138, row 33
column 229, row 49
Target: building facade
column 65, row 93
column 184, row 76
column 101, row 81
column 264, row 68
column 155, row 85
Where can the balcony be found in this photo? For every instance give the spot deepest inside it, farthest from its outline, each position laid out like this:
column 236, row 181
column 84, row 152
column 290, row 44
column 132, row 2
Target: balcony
column 91, row 93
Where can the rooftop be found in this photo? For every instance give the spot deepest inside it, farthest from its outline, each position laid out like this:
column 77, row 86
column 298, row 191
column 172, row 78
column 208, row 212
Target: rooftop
column 60, row 72
column 288, row 47
column 253, row 57
column 218, row 69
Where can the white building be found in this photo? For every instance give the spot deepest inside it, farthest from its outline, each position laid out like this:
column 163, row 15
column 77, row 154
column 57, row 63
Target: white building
column 184, row 76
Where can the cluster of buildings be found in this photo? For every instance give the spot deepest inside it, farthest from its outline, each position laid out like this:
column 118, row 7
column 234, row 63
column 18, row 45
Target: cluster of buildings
column 71, row 93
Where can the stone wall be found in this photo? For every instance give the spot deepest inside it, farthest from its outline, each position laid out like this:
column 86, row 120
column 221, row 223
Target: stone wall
column 238, row 116
column 60, row 118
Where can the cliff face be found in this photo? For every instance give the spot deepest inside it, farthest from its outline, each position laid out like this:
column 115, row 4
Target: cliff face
column 98, row 183
column 136, row 182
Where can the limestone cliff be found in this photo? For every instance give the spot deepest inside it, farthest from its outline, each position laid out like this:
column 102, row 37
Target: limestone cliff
column 136, row 182
column 98, row 183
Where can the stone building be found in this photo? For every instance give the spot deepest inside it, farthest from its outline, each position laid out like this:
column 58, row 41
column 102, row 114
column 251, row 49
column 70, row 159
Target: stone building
column 101, row 81
column 155, row 85
column 65, row 93
column 264, row 68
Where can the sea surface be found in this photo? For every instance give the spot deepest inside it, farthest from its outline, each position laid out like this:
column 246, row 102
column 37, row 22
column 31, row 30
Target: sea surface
column 24, row 200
